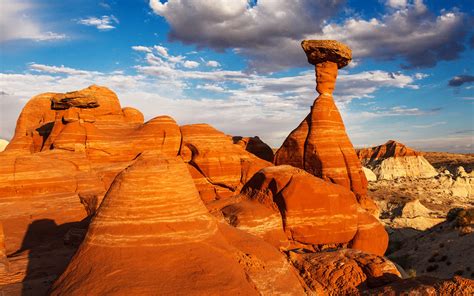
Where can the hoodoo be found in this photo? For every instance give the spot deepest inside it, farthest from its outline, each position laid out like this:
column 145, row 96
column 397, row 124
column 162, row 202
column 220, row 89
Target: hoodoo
column 320, row 144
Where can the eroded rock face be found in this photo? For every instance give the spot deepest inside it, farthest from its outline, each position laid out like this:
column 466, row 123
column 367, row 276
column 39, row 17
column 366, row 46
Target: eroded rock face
column 344, row 272
column 66, row 151
column 394, row 160
column 255, row 146
column 218, row 167
column 162, row 233
column 320, row 144
column 313, row 211
column 308, row 210
column 3, row 253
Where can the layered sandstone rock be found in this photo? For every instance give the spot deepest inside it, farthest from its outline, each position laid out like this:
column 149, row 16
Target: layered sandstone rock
column 320, row 144
column 312, row 211
column 160, row 231
column 3, row 254
column 371, row 236
column 344, row 272
column 218, row 167
column 67, row 150
column 308, row 209
column 255, row 146
column 269, row 270
column 394, row 160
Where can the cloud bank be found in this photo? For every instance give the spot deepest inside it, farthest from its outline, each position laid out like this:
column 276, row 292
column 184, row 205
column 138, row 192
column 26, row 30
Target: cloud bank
column 268, row 33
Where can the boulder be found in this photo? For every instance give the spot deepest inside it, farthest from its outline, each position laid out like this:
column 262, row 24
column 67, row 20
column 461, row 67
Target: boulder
column 369, row 174
column 344, row 272
column 312, row 211
column 153, row 222
column 371, row 236
column 415, row 215
column 320, row 144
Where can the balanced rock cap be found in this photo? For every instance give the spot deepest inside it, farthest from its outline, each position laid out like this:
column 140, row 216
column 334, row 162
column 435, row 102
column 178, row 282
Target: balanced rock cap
column 73, row 99
column 319, row 51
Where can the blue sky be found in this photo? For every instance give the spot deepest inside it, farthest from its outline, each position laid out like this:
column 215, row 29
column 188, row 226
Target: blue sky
column 238, row 65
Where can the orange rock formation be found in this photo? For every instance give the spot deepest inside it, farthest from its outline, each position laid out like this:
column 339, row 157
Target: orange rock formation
column 320, row 144
column 390, row 149
column 162, row 234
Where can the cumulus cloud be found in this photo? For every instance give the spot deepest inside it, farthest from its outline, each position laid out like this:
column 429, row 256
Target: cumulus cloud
column 190, row 64
column 213, row 64
column 104, row 23
column 269, row 32
column 141, row 48
column 459, row 80
column 247, row 104
column 17, row 23
column 412, row 33
column 261, row 29
column 59, row 70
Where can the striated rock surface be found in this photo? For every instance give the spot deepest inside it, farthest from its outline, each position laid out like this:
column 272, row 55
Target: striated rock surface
column 320, row 144
column 3, row 254
column 312, row 211
column 371, row 236
column 269, row 270
column 161, row 232
column 218, row 167
column 394, row 160
column 255, row 146
column 344, row 272
column 284, row 201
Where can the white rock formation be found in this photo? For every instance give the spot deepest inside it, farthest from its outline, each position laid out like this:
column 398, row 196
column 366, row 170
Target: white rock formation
column 403, row 167
column 3, row 144
column 369, row 174
column 417, row 216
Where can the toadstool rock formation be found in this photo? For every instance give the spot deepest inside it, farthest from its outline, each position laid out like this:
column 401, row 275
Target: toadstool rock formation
column 320, row 144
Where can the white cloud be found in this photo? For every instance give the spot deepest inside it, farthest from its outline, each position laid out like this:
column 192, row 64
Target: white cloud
column 163, row 51
column 190, row 64
column 211, row 87
column 213, row 64
column 104, row 23
column 249, row 104
column 17, row 23
column 412, row 33
column 397, row 3
column 141, row 48
column 269, row 32
column 59, row 70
